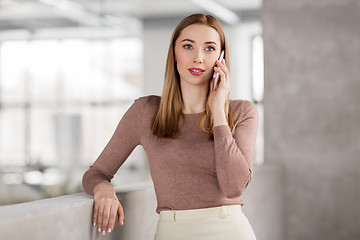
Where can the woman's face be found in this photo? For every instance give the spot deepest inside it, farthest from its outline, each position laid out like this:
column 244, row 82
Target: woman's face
column 196, row 51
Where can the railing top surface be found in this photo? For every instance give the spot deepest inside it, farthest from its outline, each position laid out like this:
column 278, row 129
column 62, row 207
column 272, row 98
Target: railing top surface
column 69, row 200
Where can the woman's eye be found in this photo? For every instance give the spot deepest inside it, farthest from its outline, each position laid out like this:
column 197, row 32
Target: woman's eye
column 209, row 48
column 187, row 46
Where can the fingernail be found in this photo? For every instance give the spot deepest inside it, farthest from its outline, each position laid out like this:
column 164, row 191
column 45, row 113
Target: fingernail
column 99, row 229
column 109, row 230
column 94, row 224
column 122, row 222
column 103, row 232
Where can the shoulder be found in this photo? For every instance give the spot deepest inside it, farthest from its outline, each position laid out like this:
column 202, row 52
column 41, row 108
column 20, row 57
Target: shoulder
column 149, row 104
column 148, row 101
column 242, row 109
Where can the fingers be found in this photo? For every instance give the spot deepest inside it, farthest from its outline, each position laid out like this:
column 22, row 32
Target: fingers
column 222, row 70
column 95, row 214
column 223, row 67
column 121, row 215
column 105, row 211
column 100, row 219
column 223, row 73
column 106, row 217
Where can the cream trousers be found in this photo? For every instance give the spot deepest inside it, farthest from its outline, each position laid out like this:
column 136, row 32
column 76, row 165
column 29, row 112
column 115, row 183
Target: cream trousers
column 216, row 223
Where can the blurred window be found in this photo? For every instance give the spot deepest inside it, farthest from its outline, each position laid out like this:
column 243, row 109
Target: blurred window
column 257, row 92
column 60, row 100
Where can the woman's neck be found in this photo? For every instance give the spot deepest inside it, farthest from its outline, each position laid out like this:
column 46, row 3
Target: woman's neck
column 194, row 98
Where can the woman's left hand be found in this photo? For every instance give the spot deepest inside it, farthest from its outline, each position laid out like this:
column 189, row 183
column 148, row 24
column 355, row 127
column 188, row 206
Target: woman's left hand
column 218, row 97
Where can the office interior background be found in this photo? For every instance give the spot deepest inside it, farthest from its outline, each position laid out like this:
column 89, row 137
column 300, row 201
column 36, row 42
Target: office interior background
column 70, row 69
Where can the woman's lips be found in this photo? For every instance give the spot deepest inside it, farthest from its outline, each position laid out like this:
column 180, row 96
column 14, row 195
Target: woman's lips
column 196, row 71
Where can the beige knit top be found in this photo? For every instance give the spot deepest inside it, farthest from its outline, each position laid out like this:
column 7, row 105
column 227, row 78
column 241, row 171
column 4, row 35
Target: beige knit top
column 192, row 171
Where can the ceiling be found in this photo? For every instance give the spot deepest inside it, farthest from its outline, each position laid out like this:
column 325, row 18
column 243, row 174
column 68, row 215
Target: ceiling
column 19, row 17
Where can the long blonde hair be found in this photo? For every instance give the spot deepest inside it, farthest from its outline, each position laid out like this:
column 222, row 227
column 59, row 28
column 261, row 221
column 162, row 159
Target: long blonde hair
column 166, row 120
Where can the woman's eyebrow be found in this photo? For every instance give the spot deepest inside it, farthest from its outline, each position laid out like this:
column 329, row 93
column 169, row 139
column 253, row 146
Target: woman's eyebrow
column 190, row 40
column 210, row 42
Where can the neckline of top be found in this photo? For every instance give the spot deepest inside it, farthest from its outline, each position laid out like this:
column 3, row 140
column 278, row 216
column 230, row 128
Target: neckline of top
column 193, row 114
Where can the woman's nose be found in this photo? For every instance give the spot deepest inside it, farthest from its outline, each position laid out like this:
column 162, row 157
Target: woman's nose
column 198, row 58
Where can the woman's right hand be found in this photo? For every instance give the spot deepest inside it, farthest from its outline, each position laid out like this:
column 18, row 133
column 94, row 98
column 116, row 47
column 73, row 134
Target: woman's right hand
column 106, row 208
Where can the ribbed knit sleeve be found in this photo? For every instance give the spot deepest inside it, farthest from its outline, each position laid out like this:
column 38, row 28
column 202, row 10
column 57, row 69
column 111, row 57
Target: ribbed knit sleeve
column 234, row 152
column 125, row 138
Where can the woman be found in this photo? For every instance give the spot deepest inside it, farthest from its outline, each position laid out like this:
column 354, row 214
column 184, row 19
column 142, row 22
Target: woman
column 199, row 144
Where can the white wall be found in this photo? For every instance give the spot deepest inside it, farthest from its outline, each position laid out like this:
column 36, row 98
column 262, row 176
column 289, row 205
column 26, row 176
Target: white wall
column 156, row 44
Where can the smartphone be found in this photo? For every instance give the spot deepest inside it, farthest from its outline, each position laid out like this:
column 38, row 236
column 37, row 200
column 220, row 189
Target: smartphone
column 216, row 75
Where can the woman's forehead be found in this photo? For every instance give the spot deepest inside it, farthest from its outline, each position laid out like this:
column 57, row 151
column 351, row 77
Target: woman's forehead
column 199, row 33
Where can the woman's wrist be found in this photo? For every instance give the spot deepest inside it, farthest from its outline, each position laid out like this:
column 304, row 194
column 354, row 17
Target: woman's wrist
column 103, row 187
column 219, row 117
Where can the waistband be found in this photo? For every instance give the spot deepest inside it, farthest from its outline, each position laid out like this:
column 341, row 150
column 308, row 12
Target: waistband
column 222, row 211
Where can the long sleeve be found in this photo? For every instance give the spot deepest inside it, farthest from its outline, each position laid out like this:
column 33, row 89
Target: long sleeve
column 125, row 138
column 234, row 152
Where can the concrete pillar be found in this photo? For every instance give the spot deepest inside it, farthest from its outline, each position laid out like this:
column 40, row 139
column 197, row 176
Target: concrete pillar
column 312, row 113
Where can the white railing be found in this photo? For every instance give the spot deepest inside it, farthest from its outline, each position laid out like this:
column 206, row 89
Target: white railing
column 69, row 217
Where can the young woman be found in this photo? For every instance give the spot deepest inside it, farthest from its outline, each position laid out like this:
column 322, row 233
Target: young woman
column 199, row 144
